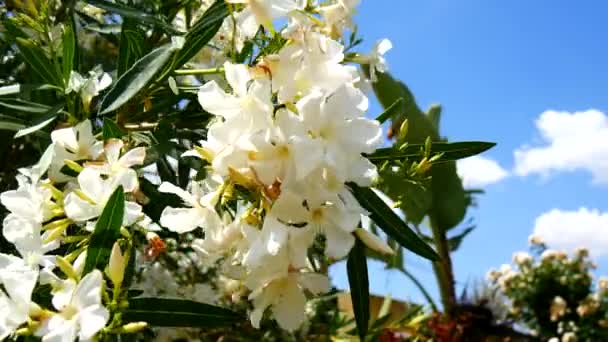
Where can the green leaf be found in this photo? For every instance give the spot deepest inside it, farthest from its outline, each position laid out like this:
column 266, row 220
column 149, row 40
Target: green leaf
column 107, row 231
column 391, row 111
column 134, row 13
column 11, row 126
column 24, row 106
column 414, row 197
column 390, row 223
column 389, row 90
column 136, row 78
column 111, row 130
column 450, row 201
column 69, row 51
column 38, row 61
column 434, row 115
column 165, row 312
column 202, row 31
column 42, row 121
column 455, row 241
column 10, row 89
column 358, row 280
column 131, row 48
column 450, row 151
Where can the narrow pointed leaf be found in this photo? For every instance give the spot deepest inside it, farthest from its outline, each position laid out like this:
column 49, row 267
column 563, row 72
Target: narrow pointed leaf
column 455, row 241
column 388, row 90
column 134, row 13
column 131, row 48
column 24, row 106
column 107, row 231
column 10, row 126
column 42, row 121
column 69, row 51
column 10, row 89
column 111, row 130
column 164, row 312
column 392, row 111
column 202, row 31
column 358, row 280
column 38, row 61
column 390, row 223
column 136, row 78
column 450, row 151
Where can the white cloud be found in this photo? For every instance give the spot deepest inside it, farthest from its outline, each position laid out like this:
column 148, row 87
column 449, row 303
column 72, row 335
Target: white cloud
column 571, row 229
column 479, row 171
column 571, row 141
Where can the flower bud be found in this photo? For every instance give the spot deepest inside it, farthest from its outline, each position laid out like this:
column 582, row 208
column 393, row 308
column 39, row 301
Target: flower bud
column 373, row 242
column 134, row 327
column 116, row 268
column 66, row 267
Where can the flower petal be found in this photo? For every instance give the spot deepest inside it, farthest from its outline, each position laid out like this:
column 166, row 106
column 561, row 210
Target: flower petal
column 181, row 220
column 290, row 309
column 91, row 320
column 214, row 100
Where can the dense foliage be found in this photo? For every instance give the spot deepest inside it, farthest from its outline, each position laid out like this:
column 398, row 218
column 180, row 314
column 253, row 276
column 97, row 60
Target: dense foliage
column 198, row 165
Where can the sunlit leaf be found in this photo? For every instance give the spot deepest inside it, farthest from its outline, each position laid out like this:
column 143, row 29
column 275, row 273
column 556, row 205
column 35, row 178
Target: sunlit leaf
column 107, row 231
column 390, row 223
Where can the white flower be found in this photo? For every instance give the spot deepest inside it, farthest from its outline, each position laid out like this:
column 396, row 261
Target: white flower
column 549, row 255
column 18, row 280
column 80, row 311
column 31, row 245
column 559, row 307
column 313, row 64
column 376, row 60
column 73, row 143
column 224, row 239
column 89, row 201
column 119, row 167
column 263, row 12
column 522, row 258
column 293, row 222
column 250, row 99
column 200, row 213
column 337, row 121
column 535, row 240
column 29, row 201
column 284, row 152
column 285, row 296
column 338, row 15
column 89, row 87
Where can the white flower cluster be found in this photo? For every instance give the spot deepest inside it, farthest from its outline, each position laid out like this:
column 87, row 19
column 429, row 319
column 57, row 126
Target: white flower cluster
column 560, row 284
column 292, row 131
column 42, row 210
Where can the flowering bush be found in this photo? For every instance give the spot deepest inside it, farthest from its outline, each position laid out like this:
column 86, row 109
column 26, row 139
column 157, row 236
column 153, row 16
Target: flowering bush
column 553, row 294
column 221, row 151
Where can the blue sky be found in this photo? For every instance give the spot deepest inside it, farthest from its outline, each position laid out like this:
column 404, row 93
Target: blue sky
column 495, row 67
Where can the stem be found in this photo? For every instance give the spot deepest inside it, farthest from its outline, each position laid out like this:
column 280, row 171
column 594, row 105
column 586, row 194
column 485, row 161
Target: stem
column 420, row 287
column 443, row 269
column 199, row 71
